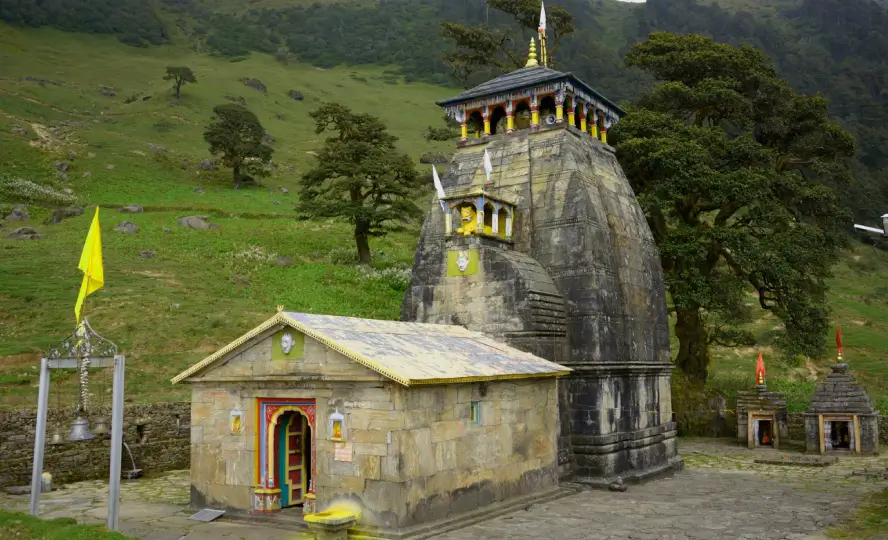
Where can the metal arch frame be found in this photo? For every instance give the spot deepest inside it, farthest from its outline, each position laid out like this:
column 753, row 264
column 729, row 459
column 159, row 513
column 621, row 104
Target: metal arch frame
column 71, row 353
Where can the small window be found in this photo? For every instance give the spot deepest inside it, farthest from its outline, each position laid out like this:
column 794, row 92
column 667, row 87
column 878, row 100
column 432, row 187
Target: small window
column 476, row 412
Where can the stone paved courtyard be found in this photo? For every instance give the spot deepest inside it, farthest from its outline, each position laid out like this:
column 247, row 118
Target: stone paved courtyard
column 722, row 494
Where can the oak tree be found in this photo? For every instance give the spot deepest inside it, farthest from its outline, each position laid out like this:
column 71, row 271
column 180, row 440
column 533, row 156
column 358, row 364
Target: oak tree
column 736, row 174
column 237, row 137
column 359, row 176
column 180, row 75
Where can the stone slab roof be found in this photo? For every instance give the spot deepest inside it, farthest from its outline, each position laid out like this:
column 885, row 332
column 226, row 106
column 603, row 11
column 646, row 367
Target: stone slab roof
column 408, row 353
column 840, row 393
column 524, row 78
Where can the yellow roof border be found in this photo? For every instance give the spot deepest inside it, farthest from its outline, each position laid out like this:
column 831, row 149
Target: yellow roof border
column 477, row 193
column 281, row 318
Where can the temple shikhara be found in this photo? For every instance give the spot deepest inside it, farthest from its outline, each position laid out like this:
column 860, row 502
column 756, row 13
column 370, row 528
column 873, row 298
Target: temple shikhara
column 538, row 241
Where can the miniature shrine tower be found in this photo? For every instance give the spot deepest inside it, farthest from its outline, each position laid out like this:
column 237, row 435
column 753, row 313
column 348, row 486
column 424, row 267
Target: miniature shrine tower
column 539, row 242
column 841, row 417
column 761, row 415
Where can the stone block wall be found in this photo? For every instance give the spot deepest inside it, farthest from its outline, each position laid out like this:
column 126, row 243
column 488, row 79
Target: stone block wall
column 415, row 454
column 160, row 444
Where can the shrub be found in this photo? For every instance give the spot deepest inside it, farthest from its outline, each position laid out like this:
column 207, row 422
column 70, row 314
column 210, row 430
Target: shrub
column 18, row 190
column 396, row 277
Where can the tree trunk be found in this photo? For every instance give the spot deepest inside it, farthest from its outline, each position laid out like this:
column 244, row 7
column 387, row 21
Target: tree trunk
column 178, row 88
column 237, row 177
column 693, row 345
column 362, row 241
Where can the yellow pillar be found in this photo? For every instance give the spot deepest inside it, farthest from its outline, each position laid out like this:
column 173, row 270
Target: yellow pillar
column 486, row 127
column 604, row 136
column 510, row 123
column 535, row 118
column 570, row 118
column 559, row 113
column 464, row 131
column 583, row 124
column 595, row 130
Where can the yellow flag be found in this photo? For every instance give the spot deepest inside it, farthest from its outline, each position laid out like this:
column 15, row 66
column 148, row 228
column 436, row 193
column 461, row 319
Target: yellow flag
column 91, row 265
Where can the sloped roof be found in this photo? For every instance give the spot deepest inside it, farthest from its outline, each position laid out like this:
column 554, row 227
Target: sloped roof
column 840, row 393
column 524, row 78
column 408, row 353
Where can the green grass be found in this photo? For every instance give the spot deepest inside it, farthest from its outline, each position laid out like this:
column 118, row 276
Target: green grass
column 197, row 292
column 869, row 522
column 24, row 527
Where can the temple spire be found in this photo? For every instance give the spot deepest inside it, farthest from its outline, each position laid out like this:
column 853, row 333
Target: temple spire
column 532, row 56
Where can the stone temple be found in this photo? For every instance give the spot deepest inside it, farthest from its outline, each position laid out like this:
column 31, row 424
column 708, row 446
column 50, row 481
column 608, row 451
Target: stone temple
column 538, row 241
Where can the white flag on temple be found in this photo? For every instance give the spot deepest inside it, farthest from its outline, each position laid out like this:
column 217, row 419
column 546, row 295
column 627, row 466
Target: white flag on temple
column 543, row 18
column 439, row 188
column 488, row 168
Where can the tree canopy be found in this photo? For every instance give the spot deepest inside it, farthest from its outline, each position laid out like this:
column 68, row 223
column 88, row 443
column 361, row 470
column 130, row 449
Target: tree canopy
column 735, row 172
column 236, row 136
column 359, row 176
column 491, row 50
column 180, row 75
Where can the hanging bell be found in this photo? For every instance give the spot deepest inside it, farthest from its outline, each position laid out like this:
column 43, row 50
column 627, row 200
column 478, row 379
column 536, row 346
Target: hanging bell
column 57, row 438
column 101, row 428
column 80, row 430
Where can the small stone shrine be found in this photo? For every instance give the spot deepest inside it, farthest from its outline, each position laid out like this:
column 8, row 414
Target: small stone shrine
column 398, row 424
column 761, row 415
column 841, row 417
column 538, row 241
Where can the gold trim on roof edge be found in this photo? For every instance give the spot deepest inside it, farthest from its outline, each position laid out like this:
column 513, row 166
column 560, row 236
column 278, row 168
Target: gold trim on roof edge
column 281, row 318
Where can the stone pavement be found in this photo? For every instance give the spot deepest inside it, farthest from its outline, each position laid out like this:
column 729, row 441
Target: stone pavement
column 722, row 494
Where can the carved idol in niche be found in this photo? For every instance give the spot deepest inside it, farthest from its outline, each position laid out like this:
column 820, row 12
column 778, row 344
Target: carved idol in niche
column 468, row 222
column 287, row 342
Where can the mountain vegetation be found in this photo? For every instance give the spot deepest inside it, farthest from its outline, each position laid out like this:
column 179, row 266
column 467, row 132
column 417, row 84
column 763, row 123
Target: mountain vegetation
column 84, row 113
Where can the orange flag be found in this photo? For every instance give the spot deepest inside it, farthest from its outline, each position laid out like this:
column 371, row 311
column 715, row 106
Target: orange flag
column 839, row 342
column 760, row 371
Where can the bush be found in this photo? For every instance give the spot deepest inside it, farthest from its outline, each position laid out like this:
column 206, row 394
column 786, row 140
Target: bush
column 396, row 277
column 17, row 190
column 343, row 256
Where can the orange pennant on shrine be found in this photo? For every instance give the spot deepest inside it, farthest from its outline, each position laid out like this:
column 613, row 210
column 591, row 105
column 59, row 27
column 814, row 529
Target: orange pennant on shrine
column 760, row 371
column 839, row 342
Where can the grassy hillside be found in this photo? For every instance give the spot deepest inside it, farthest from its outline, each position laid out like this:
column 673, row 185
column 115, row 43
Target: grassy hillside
column 203, row 288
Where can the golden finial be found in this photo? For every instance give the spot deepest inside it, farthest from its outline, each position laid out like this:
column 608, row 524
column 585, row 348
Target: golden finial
column 280, row 308
column 532, row 57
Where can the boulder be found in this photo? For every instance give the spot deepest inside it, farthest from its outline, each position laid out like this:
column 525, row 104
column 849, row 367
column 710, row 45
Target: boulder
column 209, row 165
column 147, row 254
column 131, row 209
column 127, row 227
column 87, row 174
column 268, row 138
column 255, row 84
column 295, row 94
column 18, row 130
column 107, row 92
column 199, row 190
column 62, row 166
column 197, row 222
column 285, row 190
column 19, row 213
column 284, row 261
column 61, row 214
column 24, row 233
column 279, row 116
column 157, row 148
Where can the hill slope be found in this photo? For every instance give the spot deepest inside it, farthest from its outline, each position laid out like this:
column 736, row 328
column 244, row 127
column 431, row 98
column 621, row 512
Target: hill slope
column 201, row 287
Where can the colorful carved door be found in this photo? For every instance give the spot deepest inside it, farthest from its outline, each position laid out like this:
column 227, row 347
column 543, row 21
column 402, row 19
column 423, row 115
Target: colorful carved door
column 292, row 459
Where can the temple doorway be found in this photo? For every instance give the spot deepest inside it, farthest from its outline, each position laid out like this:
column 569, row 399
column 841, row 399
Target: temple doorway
column 765, row 433
column 293, row 463
column 840, row 435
